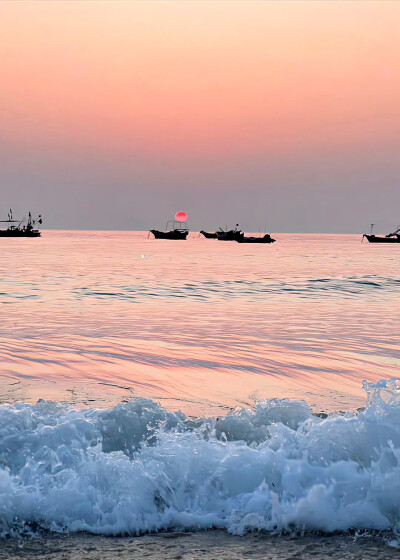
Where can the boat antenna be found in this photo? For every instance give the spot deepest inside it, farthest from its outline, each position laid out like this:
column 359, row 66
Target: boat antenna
column 372, row 227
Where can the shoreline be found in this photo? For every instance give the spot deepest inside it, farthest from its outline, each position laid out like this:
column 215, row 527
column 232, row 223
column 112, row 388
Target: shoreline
column 207, row 545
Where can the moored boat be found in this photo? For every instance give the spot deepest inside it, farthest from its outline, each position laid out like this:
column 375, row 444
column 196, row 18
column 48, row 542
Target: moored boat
column 24, row 228
column 229, row 235
column 389, row 238
column 265, row 239
column 172, row 234
column 177, row 230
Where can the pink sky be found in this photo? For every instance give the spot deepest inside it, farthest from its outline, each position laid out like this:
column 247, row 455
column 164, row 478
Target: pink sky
column 203, row 86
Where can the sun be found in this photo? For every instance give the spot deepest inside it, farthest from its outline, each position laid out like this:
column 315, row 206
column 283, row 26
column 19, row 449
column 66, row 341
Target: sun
column 181, row 216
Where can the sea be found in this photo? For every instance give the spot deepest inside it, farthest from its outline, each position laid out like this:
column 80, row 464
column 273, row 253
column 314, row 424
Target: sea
column 189, row 399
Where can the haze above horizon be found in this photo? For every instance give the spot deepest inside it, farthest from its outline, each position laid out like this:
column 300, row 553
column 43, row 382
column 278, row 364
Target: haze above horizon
column 115, row 115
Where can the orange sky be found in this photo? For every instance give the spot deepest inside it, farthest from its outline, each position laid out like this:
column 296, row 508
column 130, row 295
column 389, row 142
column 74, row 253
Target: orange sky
column 199, row 79
column 200, row 75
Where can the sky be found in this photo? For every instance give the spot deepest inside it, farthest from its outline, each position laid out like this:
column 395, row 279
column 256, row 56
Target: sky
column 284, row 114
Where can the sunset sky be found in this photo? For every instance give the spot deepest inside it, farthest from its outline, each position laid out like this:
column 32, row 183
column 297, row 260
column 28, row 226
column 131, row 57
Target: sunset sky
column 114, row 115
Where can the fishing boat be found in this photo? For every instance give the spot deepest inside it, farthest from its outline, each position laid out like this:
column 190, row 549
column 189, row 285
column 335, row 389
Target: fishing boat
column 21, row 228
column 229, row 235
column 177, row 230
column 389, row 238
column 208, row 235
column 265, row 239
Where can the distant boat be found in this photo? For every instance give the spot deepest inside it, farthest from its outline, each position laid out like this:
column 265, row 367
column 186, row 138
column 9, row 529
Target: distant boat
column 229, row 235
column 24, row 227
column 389, row 238
column 382, row 239
column 178, row 230
column 265, row 239
column 208, row 235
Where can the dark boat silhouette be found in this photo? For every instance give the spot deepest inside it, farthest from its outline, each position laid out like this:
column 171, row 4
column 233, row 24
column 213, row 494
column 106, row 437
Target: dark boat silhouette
column 208, row 235
column 229, row 235
column 389, row 238
column 177, row 231
column 24, row 227
column 265, row 239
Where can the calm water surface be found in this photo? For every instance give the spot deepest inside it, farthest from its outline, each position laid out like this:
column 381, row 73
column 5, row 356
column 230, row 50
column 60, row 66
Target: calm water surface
column 203, row 326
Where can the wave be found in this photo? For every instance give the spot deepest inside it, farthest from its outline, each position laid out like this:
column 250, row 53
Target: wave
column 344, row 287
column 138, row 468
column 347, row 287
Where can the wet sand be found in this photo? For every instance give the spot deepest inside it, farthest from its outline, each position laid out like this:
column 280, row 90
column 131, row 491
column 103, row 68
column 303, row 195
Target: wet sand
column 208, row 545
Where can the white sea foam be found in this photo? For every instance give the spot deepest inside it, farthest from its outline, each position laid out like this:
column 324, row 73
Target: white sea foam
column 137, row 468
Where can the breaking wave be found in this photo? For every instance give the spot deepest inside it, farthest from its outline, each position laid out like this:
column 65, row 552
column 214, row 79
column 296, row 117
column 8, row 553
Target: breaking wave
column 138, row 468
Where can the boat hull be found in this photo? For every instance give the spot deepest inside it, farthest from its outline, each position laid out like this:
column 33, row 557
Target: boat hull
column 379, row 239
column 265, row 239
column 230, row 236
column 174, row 234
column 19, row 233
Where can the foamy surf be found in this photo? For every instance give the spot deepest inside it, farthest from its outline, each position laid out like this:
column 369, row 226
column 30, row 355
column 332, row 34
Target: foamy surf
column 137, row 468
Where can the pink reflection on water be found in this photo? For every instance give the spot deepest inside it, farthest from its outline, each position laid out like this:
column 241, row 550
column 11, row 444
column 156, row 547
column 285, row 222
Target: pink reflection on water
column 98, row 317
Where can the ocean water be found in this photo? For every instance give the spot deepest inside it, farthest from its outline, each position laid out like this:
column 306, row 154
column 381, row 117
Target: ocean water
column 154, row 385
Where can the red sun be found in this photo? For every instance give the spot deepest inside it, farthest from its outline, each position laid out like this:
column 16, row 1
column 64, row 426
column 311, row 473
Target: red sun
column 181, row 216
